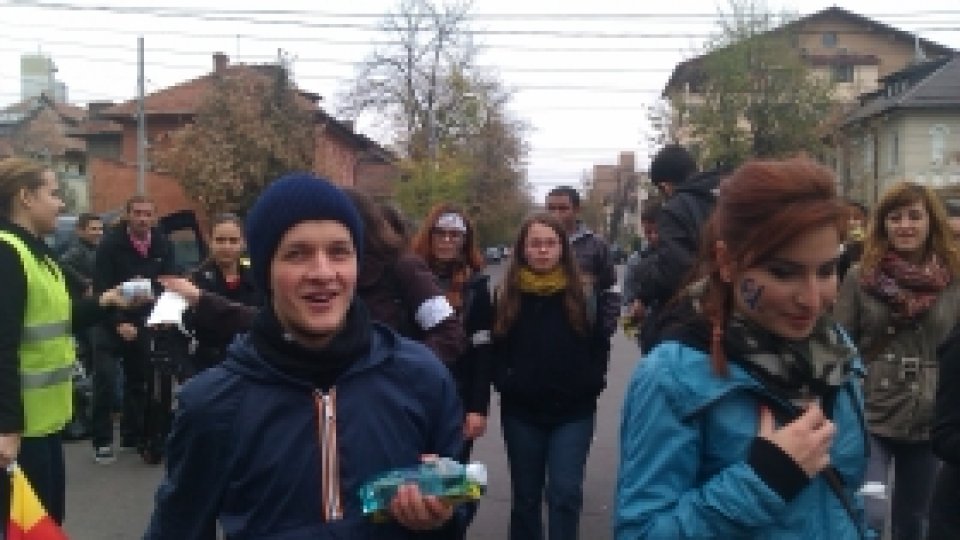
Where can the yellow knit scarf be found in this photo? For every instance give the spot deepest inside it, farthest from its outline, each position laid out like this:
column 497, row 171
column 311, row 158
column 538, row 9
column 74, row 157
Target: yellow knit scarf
column 543, row 284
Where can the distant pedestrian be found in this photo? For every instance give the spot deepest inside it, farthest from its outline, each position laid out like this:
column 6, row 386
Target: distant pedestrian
column 81, row 255
column 550, row 361
column 132, row 248
column 899, row 304
column 636, row 310
column 227, row 274
column 448, row 242
column 592, row 254
column 689, row 200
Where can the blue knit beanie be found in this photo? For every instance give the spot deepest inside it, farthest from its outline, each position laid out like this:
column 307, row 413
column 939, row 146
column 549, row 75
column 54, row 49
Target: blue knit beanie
column 289, row 200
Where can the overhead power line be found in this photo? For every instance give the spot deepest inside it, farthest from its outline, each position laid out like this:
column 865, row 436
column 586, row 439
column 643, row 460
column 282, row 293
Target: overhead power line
column 216, row 16
column 250, row 13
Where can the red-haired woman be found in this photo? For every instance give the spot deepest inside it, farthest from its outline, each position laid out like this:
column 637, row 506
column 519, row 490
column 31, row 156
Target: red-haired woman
column 745, row 421
column 447, row 241
column 899, row 306
column 550, row 367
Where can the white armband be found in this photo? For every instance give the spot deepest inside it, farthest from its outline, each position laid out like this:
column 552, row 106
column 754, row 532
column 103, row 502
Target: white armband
column 433, row 311
column 480, row 337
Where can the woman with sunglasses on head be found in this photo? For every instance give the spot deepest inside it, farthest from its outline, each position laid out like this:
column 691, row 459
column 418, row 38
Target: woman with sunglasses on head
column 550, row 362
column 899, row 305
column 447, row 241
column 745, row 420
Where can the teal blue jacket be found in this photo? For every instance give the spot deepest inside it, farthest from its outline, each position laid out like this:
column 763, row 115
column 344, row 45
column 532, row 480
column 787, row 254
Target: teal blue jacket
column 684, row 442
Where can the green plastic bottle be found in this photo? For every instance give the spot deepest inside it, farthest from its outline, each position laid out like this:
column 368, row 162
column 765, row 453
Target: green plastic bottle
column 443, row 478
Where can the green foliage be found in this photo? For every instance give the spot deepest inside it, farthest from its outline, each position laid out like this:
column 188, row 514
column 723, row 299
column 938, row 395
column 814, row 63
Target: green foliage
column 425, row 183
column 249, row 130
column 759, row 99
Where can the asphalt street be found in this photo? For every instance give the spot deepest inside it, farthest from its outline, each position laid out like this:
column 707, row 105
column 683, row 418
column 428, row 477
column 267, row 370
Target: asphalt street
column 115, row 501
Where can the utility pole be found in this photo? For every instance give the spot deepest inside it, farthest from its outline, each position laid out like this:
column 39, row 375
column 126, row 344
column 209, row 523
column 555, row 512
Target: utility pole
column 141, row 124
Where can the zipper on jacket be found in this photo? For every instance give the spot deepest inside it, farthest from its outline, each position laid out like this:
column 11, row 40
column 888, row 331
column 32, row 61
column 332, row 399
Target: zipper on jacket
column 332, row 507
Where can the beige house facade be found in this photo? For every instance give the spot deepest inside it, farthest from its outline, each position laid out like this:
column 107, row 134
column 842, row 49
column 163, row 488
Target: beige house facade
column 909, row 129
column 851, row 51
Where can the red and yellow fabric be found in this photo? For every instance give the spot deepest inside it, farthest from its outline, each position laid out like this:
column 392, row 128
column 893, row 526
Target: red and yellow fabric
column 28, row 520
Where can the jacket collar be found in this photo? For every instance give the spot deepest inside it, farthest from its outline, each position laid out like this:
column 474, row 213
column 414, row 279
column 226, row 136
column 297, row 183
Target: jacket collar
column 582, row 231
column 243, row 359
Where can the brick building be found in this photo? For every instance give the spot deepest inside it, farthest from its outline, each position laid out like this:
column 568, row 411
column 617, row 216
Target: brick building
column 344, row 156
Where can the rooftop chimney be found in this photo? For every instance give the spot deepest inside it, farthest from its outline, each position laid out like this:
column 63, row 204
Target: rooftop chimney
column 220, row 62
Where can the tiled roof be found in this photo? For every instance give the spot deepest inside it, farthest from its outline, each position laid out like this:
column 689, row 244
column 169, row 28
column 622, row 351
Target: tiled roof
column 940, row 87
column 691, row 70
column 186, row 97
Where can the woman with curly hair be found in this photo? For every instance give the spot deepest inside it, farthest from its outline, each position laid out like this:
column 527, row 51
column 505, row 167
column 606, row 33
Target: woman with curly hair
column 899, row 305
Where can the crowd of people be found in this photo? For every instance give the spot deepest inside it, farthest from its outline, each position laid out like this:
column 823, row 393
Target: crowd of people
column 796, row 357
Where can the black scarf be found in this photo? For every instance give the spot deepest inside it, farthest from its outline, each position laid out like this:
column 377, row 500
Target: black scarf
column 320, row 368
column 795, row 370
column 792, row 370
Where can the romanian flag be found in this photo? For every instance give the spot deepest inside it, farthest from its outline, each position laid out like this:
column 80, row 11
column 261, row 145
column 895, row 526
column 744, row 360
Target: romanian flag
column 28, row 519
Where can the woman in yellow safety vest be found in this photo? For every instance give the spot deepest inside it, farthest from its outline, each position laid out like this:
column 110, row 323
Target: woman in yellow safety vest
column 37, row 318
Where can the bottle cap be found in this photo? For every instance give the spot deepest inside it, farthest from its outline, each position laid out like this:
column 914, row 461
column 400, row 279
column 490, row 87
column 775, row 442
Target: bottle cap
column 476, row 472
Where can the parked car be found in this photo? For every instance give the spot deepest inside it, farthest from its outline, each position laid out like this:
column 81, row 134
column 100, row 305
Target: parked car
column 492, row 254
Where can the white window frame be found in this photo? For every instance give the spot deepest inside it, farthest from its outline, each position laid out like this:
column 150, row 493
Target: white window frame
column 938, row 143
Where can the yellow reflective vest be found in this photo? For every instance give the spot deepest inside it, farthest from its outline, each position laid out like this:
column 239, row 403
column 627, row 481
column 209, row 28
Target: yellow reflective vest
column 46, row 346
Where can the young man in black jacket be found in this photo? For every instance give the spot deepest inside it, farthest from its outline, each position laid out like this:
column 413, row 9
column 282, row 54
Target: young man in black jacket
column 690, row 200
column 592, row 253
column 134, row 248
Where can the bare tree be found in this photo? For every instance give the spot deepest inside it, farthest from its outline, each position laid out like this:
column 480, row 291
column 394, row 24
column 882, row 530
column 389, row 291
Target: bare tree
column 406, row 78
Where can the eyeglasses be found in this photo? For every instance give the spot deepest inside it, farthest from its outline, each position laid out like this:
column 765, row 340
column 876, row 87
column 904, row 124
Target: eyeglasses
column 542, row 244
column 446, row 234
column 558, row 207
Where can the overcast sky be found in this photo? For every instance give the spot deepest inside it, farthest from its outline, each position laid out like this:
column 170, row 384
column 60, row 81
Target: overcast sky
column 584, row 95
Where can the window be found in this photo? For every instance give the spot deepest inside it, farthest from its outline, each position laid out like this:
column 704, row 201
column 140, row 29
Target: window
column 938, row 139
column 893, row 153
column 868, row 155
column 842, row 74
column 829, row 39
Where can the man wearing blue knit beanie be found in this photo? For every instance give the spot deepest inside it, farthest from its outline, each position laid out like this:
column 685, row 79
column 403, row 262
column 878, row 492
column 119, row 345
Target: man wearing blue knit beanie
column 313, row 402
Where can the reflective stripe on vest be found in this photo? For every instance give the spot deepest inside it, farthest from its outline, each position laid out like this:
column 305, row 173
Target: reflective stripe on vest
column 46, row 353
column 32, row 381
column 41, row 332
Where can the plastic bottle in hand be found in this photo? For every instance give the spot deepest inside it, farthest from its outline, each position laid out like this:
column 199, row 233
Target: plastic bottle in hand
column 443, row 478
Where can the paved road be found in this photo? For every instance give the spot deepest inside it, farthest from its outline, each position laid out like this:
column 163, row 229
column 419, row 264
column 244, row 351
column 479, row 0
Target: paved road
column 114, row 502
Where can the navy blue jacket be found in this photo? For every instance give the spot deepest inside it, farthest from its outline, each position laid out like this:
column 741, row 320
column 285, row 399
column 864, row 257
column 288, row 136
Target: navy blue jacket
column 269, row 455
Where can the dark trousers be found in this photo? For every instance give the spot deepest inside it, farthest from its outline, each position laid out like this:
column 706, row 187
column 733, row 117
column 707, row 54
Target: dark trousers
column 549, row 458
column 41, row 460
column 107, row 347
column 945, row 505
column 915, row 468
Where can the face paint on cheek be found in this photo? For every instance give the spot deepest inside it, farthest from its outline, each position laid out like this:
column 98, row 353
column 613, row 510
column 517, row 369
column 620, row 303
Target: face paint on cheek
column 750, row 293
